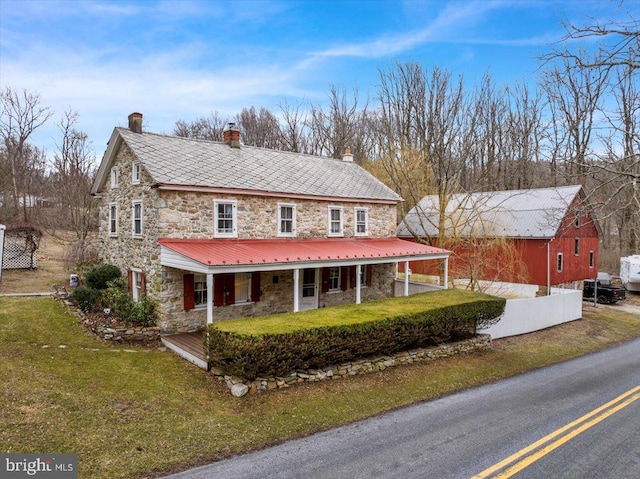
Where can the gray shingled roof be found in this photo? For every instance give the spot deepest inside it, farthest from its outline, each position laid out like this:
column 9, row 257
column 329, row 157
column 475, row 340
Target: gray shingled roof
column 535, row 213
column 172, row 160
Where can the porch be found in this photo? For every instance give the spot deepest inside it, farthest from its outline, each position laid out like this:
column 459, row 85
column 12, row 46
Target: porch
column 188, row 346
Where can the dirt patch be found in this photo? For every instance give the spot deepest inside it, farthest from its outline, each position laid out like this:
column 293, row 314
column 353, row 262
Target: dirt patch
column 51, row 269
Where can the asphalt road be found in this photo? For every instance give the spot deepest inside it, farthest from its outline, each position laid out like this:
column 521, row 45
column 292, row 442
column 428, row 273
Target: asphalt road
column 584, row 414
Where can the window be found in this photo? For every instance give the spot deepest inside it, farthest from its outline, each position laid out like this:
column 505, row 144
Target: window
column 362, row 221
column 592, row 259
column 136, row 283
column 576, row 246
column 135, row 173
column 576, row 221
column 236, row 288
column 136, row 216
column 559, row 262
column 113, row 219
column 114, row 177
column 243, row 287
column 335, row 221
column 334, row 279
column 200, row 290
column 286, row 220
column 225, row 218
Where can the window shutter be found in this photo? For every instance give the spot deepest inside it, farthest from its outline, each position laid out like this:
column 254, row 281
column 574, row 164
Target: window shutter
column 255, row 286
column 143, row 283
column 130, row 281
column 325, row 280
column 344, row 278
column 224, row 289
column 369, row 273
column 218, row 290
column 230, row 289
column 189, row 287
column 354, row 276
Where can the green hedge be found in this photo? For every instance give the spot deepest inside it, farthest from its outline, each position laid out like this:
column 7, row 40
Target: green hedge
column 254, row 355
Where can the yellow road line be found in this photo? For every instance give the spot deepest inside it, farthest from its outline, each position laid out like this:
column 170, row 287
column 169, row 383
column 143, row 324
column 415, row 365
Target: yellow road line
column 523, row 452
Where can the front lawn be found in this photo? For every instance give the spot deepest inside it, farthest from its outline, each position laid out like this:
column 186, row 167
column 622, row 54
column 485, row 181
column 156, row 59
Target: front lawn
column 129, row 412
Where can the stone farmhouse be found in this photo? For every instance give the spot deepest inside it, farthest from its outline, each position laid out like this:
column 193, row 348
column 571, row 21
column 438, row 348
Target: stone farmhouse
column 220, row 230
column 551, row 234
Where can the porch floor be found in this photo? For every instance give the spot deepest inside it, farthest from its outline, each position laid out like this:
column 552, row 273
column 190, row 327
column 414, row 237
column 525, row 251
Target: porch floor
column 189, row 346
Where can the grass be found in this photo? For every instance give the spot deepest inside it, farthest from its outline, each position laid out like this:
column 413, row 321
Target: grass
column 350, row 313
column 118, row 407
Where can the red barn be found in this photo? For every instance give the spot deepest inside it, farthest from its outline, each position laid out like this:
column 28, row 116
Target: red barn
column 544, row 236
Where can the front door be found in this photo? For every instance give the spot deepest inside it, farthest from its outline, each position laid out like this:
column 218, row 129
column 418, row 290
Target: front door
column 309, row 289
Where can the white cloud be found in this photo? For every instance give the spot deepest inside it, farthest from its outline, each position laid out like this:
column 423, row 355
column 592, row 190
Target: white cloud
column 452, row 25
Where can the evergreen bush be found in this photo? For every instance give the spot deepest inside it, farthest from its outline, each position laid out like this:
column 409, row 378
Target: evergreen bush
column 99, row 276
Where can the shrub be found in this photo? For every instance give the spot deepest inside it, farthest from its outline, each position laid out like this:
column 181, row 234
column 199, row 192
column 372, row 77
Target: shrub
column 132, row 313
column 87, row 298
column 277, row 354
column 99, row 276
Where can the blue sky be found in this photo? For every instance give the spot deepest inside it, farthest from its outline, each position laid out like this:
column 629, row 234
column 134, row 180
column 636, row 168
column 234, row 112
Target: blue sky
column 176, row 60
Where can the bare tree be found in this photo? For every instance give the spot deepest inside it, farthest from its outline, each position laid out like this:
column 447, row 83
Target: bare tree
column 619, row 44
column 576, row 96
column 72, row 176
column 336, row 128
column 260, row 128
column 613, row 169
column 202, row 128
column 293, row 131
column 22, row 113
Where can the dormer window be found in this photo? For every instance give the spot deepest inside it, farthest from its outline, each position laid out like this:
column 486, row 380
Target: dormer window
column 136, row 173
column 335, row 221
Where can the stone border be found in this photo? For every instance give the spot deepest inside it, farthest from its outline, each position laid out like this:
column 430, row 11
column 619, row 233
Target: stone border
column 145, row 336
column 239, row 387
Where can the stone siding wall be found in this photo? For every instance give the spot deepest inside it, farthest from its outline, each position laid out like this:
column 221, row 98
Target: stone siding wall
column 191, row 215
column 124, row 250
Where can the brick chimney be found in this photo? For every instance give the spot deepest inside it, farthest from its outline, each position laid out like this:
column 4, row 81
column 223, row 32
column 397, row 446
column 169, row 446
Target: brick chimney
column 347, row 155
column 231, row 135
column 135, row 122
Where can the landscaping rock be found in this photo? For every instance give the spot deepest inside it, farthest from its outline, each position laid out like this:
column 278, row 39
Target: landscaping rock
column 239, row 390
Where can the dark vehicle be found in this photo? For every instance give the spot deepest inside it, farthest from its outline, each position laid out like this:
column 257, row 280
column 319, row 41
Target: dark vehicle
column 606, row 292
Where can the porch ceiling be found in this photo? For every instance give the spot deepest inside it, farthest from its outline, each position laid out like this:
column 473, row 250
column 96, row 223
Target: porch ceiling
column 224, row 255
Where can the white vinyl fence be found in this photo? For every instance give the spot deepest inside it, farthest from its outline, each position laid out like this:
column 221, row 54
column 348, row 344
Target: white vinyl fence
column 532, row 314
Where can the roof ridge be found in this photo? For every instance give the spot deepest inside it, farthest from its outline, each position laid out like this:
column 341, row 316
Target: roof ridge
column 217, row 142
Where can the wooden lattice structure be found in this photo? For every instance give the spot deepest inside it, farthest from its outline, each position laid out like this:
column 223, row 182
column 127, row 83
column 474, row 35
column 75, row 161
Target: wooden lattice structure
column 20, row 246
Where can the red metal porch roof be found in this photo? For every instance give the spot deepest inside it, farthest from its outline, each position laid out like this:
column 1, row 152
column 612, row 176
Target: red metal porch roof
column 231, row 252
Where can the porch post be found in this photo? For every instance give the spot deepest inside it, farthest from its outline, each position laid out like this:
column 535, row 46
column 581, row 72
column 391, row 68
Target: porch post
column 446, row 272
column 209, row 298
column 358, row 277
column 406, row 278
column 296, row 290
